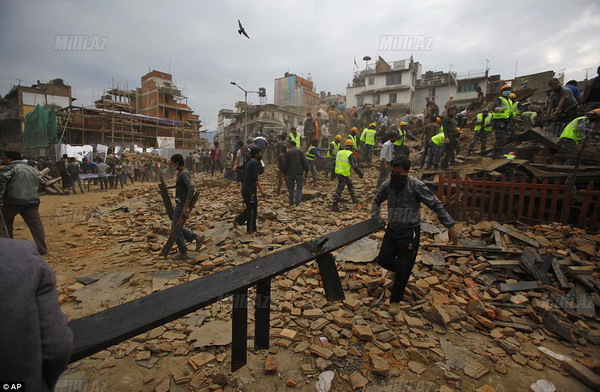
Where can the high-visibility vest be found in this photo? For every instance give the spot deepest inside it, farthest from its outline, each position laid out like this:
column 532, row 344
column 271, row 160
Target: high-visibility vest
column 309, row 154
column 368, row 137
column 353, row 138
column 296, row 139
column 401, row 138
column 342, row 163
column 515, row 108
column 486, row 123
column 336, row 148
column 509, row 156
column 572, row 131
column 507, row 105
column 438, row 139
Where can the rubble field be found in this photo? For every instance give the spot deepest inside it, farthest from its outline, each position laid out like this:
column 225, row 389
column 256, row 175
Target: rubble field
column 515, row 312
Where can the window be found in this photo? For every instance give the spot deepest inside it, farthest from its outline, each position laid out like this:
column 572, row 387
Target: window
column 393, row 98
column 394, row 78
column 360, row 101
column 376, row 100
column 465, row 88
column 371, row 81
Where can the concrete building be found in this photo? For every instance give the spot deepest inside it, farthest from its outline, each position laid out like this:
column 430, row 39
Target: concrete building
column 295, row 92
column 268, row 120
column 437, row 85
column 393, row 83
column 21, row 100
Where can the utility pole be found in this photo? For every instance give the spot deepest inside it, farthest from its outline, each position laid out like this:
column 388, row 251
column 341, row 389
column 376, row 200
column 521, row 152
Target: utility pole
column 585, row 69
column 245, row 107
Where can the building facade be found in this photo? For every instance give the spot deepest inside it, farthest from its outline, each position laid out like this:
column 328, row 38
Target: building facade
column 393, row 84
column 295, row 92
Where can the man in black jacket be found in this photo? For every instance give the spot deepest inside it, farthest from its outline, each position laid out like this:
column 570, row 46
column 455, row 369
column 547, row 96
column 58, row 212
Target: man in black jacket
column 401, row 240
column 295, row 166
column 250, row 186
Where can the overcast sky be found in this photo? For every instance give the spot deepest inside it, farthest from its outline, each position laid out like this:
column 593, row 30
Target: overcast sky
column 198, row 42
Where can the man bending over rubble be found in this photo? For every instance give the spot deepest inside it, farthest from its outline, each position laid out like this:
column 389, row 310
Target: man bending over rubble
column 401, row 240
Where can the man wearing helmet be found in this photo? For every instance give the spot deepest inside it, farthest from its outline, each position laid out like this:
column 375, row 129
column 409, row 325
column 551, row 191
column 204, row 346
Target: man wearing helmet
column 344, row 163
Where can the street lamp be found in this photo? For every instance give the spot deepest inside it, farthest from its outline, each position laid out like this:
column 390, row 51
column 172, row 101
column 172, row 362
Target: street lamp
column 245, row 106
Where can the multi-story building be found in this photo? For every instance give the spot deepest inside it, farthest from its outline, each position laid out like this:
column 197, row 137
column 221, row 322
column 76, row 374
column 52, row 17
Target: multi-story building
column 295, row 92
column 393, row 83
column 21, row 100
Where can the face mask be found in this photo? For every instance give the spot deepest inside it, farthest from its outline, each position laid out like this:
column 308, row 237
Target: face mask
column 505, row 93
column 398, row 181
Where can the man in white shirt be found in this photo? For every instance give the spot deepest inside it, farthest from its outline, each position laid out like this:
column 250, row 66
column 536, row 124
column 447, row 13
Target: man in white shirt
column 385, row 158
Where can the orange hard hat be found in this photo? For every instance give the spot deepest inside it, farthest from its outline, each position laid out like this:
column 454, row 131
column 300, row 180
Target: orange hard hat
column 512, row 95
column 354, row 129
column 505, row 87
column 595, row 111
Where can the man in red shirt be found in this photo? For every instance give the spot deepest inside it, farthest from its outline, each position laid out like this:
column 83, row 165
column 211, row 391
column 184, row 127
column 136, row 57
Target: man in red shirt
column 215, row 158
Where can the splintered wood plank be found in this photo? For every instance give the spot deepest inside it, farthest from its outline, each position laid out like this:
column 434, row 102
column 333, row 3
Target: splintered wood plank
column 516, row 234
column 528, row 260
column 560, row 276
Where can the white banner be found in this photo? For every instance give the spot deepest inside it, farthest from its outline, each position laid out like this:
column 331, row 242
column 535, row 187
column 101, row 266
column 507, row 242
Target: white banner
column 165, row 141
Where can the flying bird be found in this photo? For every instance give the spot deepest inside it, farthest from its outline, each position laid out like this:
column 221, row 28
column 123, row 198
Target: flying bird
column 241, row 30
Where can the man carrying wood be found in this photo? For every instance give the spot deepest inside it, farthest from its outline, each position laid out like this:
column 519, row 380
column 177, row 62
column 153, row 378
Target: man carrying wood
column 401, row 240
column 184, row 193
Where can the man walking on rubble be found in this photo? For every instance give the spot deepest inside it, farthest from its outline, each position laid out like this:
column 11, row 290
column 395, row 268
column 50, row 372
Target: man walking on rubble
column 344, row 164
column 19, row 185
column 295, row 165
column 184, row 193
column 450, row 128
column 401, row 240
column 250, row 186
column 481, row 130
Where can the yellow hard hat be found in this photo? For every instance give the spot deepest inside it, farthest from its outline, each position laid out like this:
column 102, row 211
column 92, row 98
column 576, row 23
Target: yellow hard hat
column 512, row 95
column 372, row 125
column 340, row 117
column 403, row 123
column 505, row 87
column 349, row 142
column 338, row 137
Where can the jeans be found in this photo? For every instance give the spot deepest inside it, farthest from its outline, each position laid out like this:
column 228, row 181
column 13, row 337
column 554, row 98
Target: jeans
column 295, row 182
column 185, row 234
column 31, row 215
column 75, row 179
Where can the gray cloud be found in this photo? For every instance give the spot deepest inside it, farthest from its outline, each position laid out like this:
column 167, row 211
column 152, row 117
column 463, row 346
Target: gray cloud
column 199, row 42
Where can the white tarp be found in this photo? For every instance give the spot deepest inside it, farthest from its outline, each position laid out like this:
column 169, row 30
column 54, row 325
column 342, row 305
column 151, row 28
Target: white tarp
column 165, row 141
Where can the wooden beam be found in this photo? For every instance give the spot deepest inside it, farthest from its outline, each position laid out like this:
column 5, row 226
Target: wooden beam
column 331, row 278
column 519, row 286
column 178, row 227
column 262, row 314
column 98, row 331
column 560, row 276
column 515, row 234
column 528, row 260
column 239, row 329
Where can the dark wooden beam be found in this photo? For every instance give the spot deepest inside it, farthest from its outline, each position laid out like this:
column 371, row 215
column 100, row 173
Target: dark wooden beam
column 239, row 329
column 98, row 331
column 331, row 278
column 262, row 314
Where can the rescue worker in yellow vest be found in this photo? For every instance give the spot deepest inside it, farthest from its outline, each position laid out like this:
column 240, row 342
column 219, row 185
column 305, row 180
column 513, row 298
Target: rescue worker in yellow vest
column 354, row 137
column 510, row 155
column 481, row 129
column 436, row 146
column 515, row 110
column 501, row 120
column 312, row 154
column 344, row 164
column 576, row 130
column 295, row 137
column 332, row 151
column 400, row 148
column 368, row 140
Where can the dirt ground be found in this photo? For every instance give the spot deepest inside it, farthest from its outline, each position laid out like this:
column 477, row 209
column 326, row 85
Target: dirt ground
column 83, row 242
